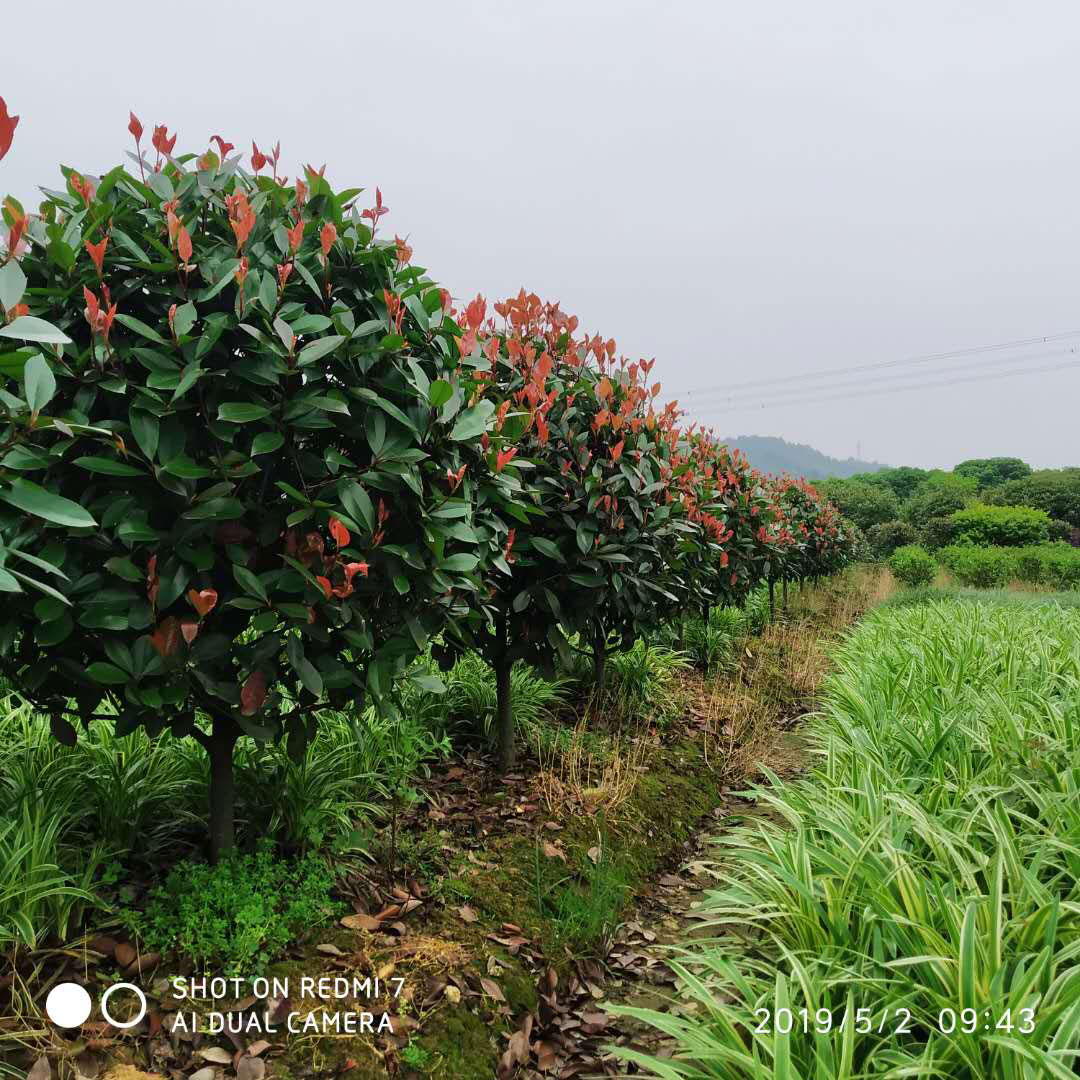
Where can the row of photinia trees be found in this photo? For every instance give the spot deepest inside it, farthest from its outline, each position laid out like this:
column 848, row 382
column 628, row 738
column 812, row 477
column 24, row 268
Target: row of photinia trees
column 254, row 464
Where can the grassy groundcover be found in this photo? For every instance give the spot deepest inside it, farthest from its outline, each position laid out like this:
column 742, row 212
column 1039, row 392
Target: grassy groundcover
column 910, row 908
column 503, row 886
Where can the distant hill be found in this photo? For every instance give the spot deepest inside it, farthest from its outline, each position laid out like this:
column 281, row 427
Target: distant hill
column 773, row 455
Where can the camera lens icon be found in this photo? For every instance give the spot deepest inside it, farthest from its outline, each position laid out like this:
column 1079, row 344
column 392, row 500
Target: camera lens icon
column 69, row 1006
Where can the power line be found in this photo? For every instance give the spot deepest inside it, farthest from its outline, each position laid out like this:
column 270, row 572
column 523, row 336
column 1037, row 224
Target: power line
column 924, row 358
column 873, row 380
column 982, row 377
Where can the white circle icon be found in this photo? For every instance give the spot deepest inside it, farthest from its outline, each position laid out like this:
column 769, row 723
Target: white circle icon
column 68, row 1005
column 112, row 990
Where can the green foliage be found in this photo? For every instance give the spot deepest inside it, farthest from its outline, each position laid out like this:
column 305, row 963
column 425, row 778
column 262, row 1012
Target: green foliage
column 912, row 566
column 234, row 917
column 866, row 504
column 980, row 567
column 712, row 645
column 415, row 1056
column 926, row 864
column 903, row 482
column 236, row 487
column 938, row 500
column 938, row 532
column 583, row 906
column 884, row 539
column 1002, row 526
column 643, row 684
column 467, row 709
column 1063, row 532
column 253, row 469
column 990, row 472
column 1057, row 491
column 341, row 783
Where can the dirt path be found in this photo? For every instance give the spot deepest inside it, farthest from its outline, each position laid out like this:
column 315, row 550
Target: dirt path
column 636, row 971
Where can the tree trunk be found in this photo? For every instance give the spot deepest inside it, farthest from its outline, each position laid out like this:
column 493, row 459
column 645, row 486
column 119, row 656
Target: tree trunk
column 504, row 715
column 219, row 747
column 705, row 612
column 599, row 657
column 547, row 666
column 772, row 599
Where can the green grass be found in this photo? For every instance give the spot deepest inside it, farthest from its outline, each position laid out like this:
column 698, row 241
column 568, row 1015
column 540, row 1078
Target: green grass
column 583, row 906
column 235, row 917
column 1006, row 597
column 930, row 863
column 75, row 819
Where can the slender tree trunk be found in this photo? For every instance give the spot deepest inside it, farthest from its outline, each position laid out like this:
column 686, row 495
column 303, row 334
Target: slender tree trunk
column 599, row 657
column 219, row 747
column 772, row 599
column 504, row 715
column 705, row 612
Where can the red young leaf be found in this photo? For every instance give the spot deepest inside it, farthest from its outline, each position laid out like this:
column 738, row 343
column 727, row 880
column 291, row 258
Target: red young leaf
column 253, row 693
column 327, row 236
column 97, row 253
column 166, row 638
column 183, row 245
column 339, row 533
column 7, row 128
column 134, row 126
column 203, row 602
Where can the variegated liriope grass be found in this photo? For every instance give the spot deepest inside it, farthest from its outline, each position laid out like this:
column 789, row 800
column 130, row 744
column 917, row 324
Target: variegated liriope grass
column 928, row 864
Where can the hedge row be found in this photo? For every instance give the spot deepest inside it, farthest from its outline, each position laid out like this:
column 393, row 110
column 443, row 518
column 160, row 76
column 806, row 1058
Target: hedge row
column 1055, row 565
column 256, row 461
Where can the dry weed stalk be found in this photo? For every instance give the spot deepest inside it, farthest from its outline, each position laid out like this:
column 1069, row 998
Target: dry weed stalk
column 576, row 777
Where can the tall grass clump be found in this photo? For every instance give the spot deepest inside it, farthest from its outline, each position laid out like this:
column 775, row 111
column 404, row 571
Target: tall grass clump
column 925, row 872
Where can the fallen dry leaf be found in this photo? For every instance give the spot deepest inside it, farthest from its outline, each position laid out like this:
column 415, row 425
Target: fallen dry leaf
column 467, row 914
column 250, row 1068
column 215, row 1054
column 41, row 1069
column 124, row 954
column 361, row 922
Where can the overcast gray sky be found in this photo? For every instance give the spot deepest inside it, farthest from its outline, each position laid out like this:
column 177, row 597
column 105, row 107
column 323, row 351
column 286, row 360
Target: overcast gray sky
column 745, row 191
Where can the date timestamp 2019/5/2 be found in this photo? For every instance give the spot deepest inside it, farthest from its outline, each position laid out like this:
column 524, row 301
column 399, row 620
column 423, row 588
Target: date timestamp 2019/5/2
column 897, row 1021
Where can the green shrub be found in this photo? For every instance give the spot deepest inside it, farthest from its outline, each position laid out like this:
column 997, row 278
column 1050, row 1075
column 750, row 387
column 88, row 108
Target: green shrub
column 1002, row 526
column 938, row 532
column 912, row 566
column 885, row 538
column 233, row 918
column 938, row 500
column 1057, row 491
column 1063, row 532
column 865, row 504
column 1053, row 565
column 1060, row 566
column 235, row 459
column 981, row 567
column 990, row 472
